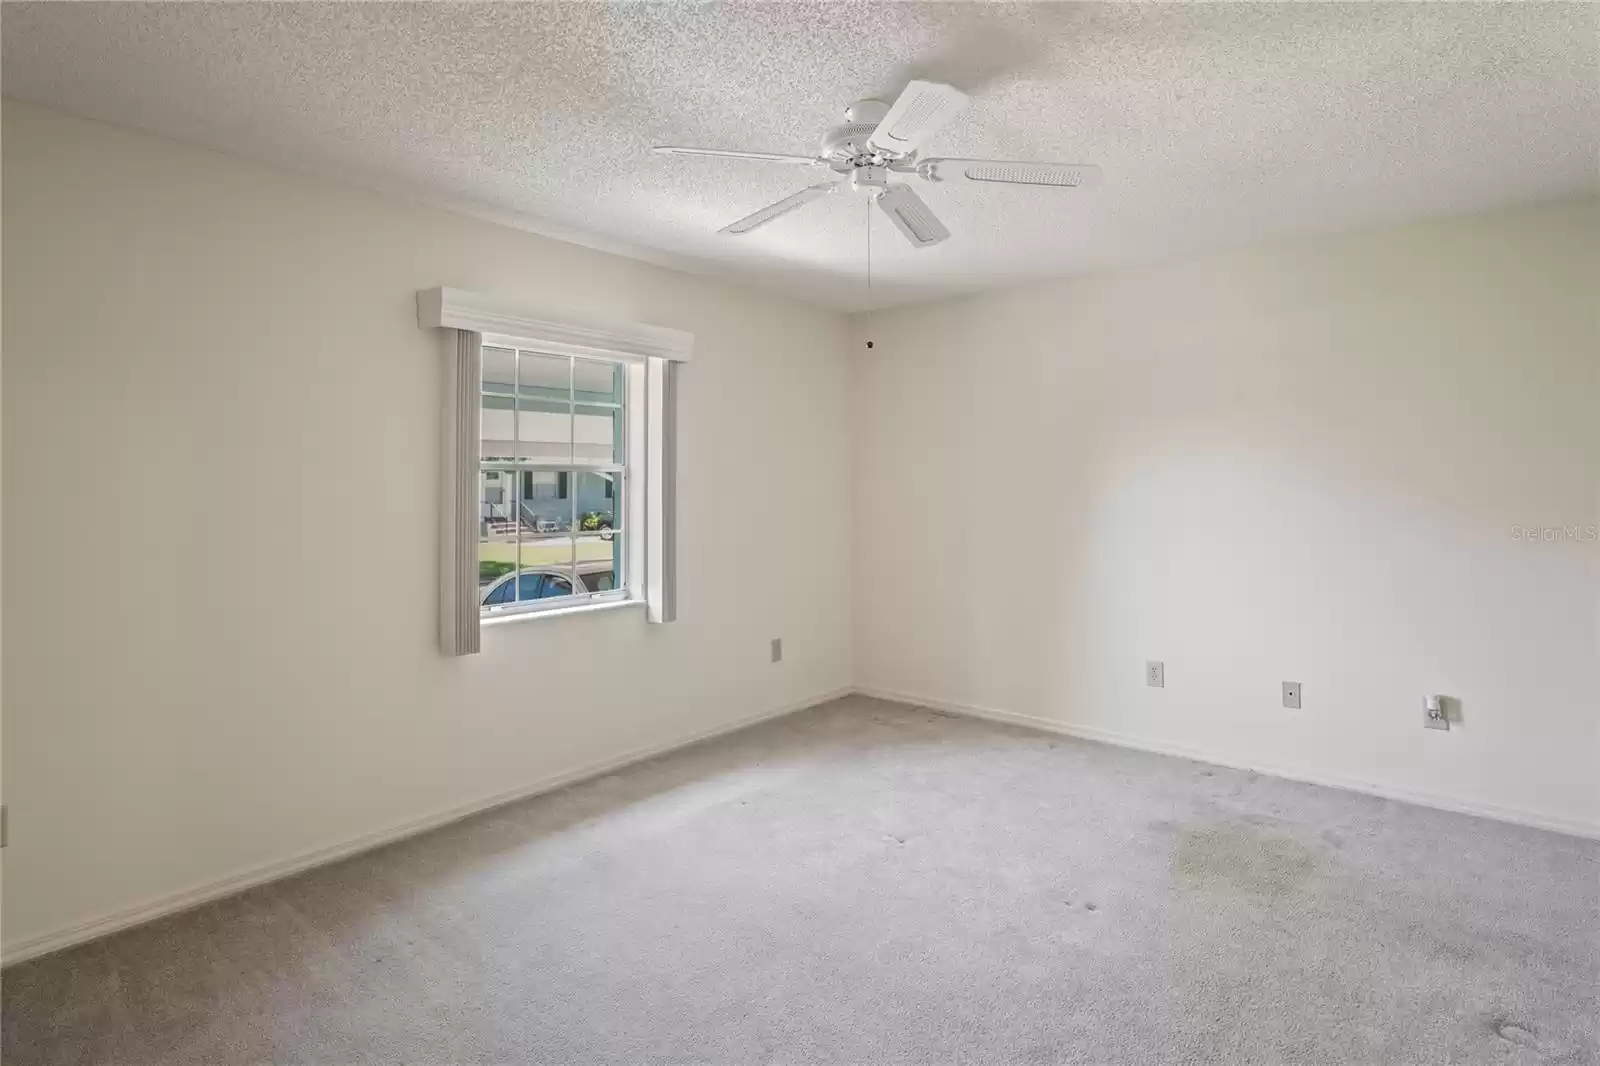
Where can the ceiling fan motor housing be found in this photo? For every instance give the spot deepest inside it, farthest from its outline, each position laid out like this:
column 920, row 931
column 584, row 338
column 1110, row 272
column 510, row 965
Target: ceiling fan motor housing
column 848, row 142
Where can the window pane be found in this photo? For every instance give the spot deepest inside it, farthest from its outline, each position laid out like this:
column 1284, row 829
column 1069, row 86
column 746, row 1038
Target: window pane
column 598, row 381
column 597, row 434
column 556, row 585
column 499, row 382
column 597, row 500
column 544, row 375
column 544, row 407
column 497, row 531
column 549, row 557
column 499, row 369
column 600, row 552
column 544, row 556
column 598, row 424
column 546, row 550
column 546, row 506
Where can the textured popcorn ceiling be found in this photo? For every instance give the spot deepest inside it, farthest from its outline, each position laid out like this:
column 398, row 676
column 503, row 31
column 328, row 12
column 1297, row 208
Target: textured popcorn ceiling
column 1217, row 125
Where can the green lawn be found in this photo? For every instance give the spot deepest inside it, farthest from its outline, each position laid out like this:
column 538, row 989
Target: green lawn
column 499, row 557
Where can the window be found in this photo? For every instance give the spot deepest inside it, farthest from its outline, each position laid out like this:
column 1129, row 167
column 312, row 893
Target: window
column 558, row 479
column 553, row 464
column 543, row 485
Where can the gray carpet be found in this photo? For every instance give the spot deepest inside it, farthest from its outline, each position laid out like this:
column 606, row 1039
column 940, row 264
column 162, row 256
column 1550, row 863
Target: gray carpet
column 866, row 883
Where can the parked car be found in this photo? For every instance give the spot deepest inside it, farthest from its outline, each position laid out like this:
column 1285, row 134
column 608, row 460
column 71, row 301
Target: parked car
column 602, row 522
column 545, row 582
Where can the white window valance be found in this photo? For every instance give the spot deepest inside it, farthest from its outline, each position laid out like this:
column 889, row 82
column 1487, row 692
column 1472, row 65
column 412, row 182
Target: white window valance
column 495, row 317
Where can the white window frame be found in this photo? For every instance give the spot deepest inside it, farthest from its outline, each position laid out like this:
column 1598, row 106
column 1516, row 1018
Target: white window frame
column 470, row 321
column 633, row 504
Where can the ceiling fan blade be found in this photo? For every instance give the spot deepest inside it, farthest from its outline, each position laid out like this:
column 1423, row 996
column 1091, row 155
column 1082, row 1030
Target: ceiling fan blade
column 782, row 207
column 912, row 217
column 920, row 112
column 1006, row 172
column 723, row 153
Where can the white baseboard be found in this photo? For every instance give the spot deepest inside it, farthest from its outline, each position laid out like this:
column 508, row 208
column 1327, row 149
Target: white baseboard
column 95, row 928
column 1536, row 819
column 33, row 947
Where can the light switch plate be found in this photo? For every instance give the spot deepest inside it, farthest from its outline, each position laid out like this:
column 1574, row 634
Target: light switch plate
column 1155, row 674
column 777, row 649
column 1291, row 695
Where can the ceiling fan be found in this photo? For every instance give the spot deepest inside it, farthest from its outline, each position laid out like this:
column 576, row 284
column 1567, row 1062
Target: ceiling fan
column 878, row 140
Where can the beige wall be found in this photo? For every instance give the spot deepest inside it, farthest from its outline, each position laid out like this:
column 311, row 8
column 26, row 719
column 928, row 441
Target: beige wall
column 1300, row 462
column 193, row 692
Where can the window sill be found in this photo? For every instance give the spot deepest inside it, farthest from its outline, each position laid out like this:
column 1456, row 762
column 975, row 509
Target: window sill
column 558, row 612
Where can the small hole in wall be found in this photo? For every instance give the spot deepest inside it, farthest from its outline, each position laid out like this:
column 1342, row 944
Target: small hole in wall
column 869, row 344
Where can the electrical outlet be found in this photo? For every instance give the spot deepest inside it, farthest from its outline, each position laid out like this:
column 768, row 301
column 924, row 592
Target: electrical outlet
column 1155, row 674
column 777, row 649
column 1291, row 695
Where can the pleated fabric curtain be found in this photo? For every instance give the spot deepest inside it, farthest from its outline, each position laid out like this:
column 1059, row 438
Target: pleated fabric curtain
column 458, row 534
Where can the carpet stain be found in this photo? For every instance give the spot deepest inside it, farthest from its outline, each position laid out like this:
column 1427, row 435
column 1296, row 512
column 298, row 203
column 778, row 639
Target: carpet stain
column 1512, row 1033
column 1242, row 861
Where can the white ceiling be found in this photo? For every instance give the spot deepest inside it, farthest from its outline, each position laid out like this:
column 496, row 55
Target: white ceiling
column 1217, row 125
